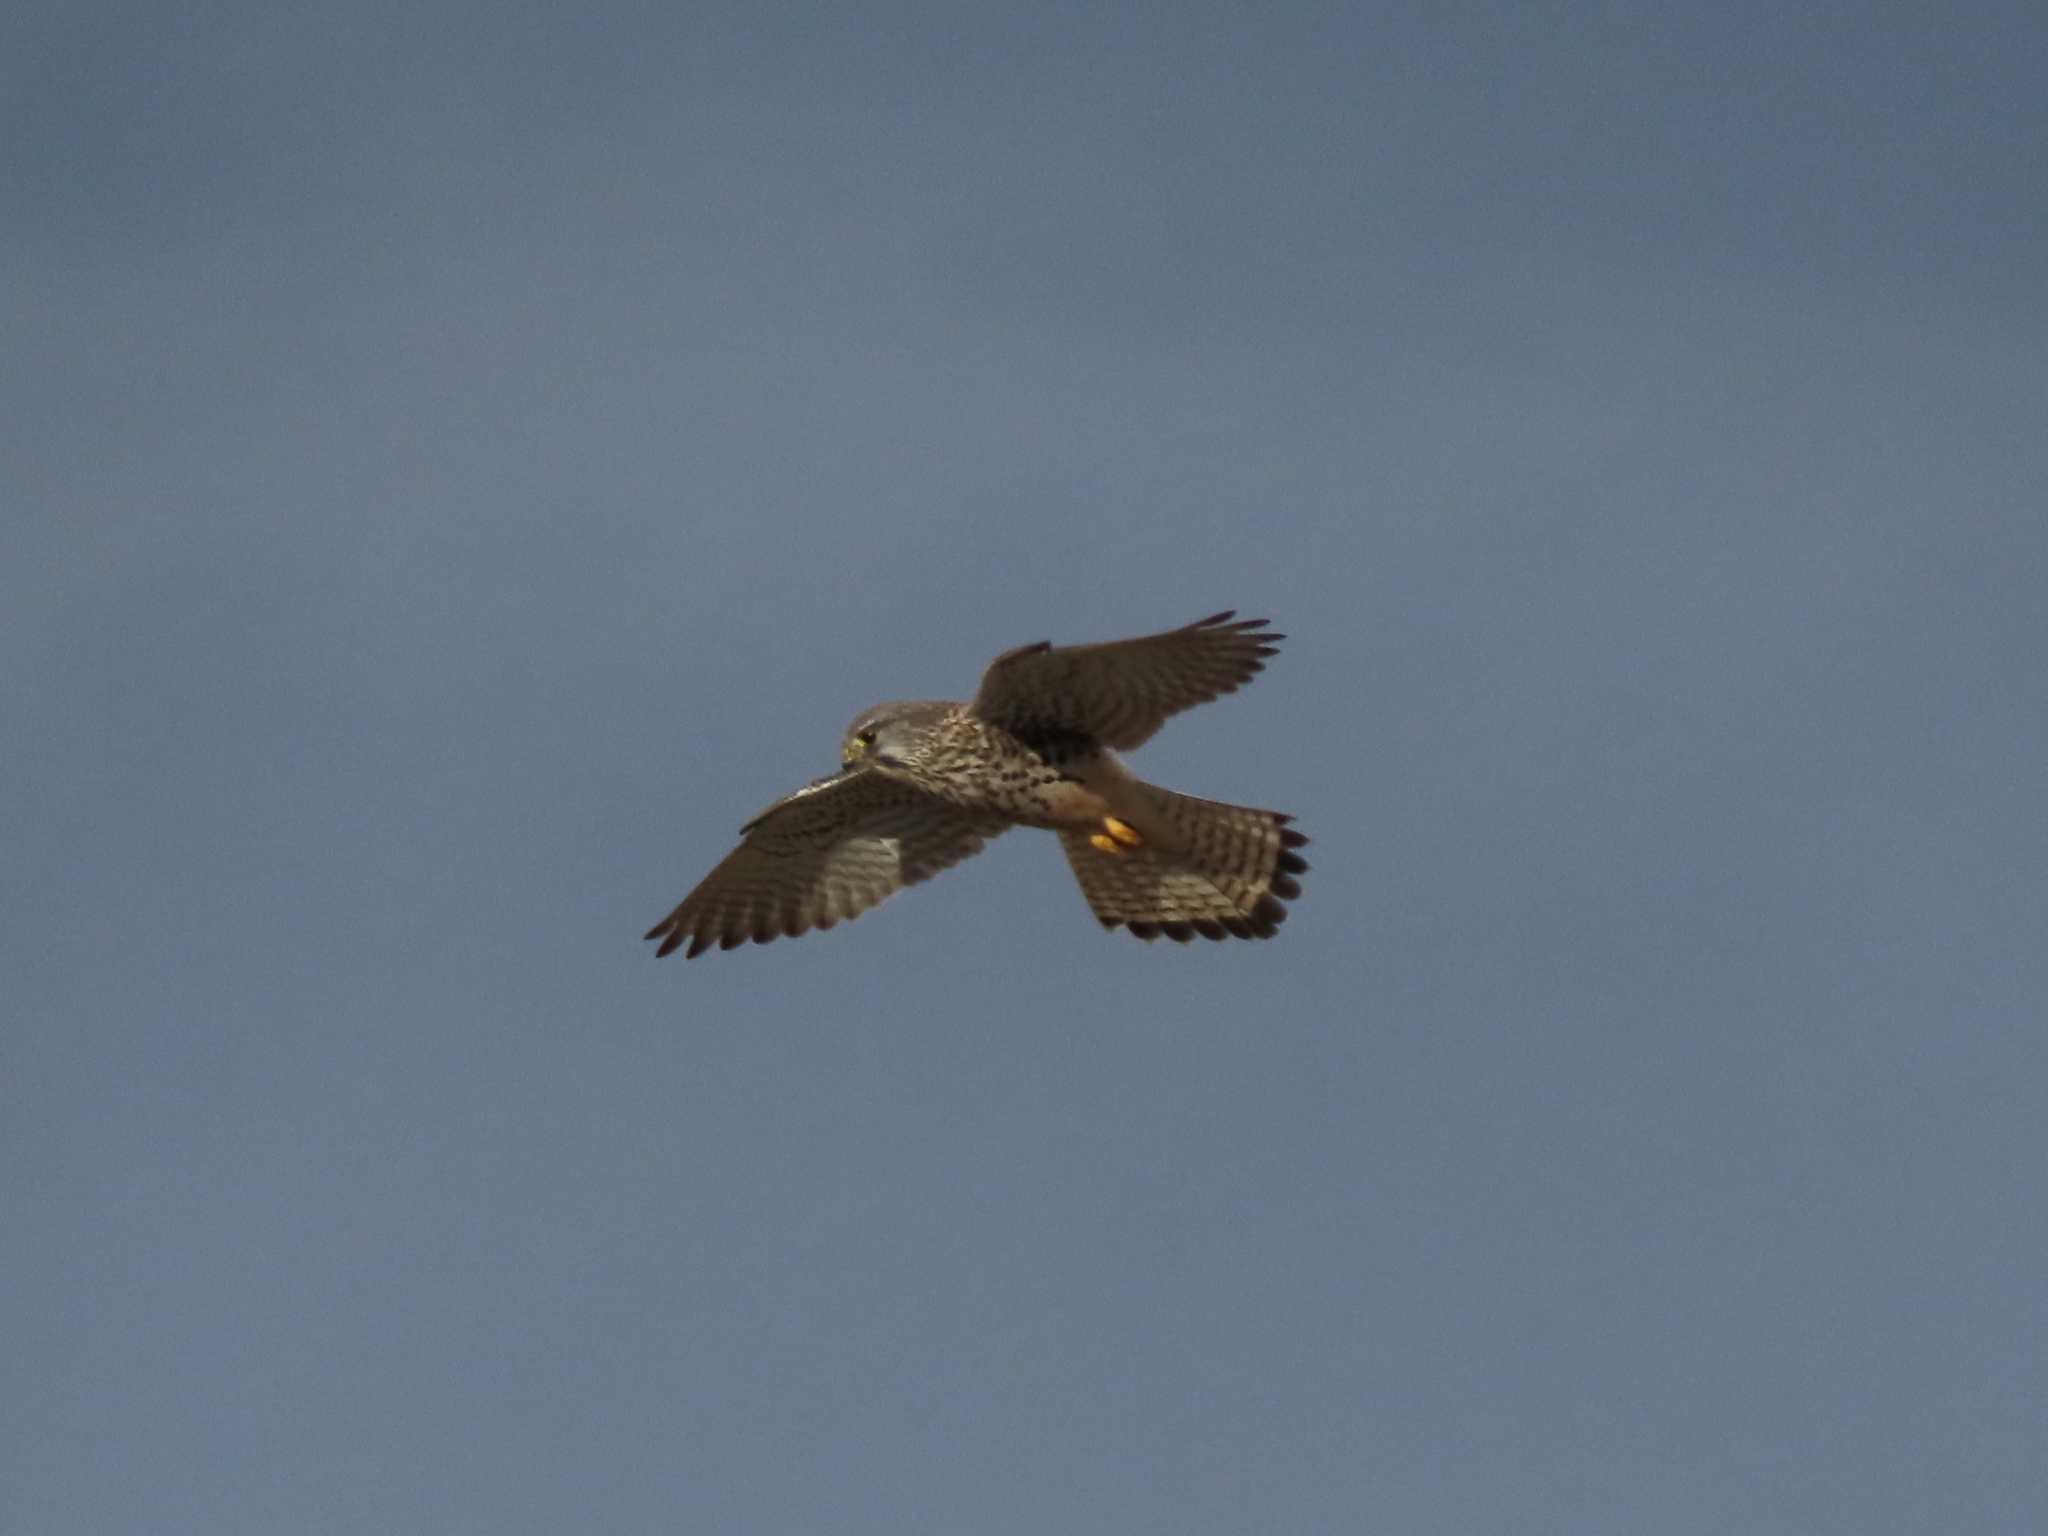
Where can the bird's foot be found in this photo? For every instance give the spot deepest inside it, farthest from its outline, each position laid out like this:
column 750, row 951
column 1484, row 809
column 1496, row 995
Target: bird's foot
column 1116, row 837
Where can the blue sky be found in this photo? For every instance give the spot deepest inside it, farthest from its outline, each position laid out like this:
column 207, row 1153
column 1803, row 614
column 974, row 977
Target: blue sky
column 462, row 460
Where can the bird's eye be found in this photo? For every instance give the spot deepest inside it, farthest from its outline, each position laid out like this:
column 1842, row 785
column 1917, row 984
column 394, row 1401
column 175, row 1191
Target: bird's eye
column 867, row 737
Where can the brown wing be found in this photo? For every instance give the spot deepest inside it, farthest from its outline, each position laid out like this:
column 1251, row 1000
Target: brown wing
column 1121, row 693
column 830, row 851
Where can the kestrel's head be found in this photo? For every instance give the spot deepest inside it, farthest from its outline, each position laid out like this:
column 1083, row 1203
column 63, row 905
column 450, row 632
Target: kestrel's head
column 890, row 733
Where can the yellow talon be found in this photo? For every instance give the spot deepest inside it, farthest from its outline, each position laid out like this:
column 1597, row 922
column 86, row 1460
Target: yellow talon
column 1116, row 837
column 1123, row 832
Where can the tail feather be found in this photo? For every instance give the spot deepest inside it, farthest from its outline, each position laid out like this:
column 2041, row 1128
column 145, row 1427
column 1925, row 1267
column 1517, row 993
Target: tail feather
column 1206, row 868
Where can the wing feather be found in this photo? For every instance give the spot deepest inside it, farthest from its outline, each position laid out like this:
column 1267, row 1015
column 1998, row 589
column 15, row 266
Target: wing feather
column 828, row 852
column 1122, row 692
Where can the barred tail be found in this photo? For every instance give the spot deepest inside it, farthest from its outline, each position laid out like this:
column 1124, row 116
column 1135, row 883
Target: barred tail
column 1203, row 868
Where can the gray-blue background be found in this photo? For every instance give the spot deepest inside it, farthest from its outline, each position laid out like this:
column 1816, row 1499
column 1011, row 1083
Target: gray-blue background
column 462, row 459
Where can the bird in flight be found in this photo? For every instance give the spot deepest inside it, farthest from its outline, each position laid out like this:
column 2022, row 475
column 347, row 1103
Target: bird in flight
column 923, row 784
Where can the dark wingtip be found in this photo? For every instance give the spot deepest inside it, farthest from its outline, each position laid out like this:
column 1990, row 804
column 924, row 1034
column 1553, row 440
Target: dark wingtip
column 1018, row 653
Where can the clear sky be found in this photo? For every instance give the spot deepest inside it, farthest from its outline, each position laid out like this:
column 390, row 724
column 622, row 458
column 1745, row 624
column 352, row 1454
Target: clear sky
column 458, row 461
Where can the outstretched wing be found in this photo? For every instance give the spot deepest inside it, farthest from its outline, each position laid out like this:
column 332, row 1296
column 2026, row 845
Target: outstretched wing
column 830, row 851
column 1121, row 693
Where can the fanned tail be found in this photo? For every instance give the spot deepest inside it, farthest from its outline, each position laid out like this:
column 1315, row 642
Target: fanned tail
column 1204, row 868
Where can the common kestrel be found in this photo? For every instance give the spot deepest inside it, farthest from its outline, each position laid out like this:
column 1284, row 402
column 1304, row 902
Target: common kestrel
column 924, row 784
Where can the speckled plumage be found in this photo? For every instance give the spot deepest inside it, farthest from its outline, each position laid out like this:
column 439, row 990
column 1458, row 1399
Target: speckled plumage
column 924, row 783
